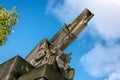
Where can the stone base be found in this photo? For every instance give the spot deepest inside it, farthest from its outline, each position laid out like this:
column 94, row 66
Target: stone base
column 14, row 68
column 45, row 72
column 19, row 69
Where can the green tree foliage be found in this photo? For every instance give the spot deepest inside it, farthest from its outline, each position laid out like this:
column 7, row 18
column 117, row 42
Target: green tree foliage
column 8, row 19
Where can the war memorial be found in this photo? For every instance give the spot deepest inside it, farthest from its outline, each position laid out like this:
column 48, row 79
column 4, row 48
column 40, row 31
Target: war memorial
column 47, row 61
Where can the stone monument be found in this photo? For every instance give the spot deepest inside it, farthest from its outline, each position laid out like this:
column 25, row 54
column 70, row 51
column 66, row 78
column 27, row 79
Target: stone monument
column 47, row 61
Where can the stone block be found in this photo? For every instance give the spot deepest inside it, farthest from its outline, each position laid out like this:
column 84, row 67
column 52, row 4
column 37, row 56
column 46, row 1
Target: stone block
column 45, row 72
column 14, row 68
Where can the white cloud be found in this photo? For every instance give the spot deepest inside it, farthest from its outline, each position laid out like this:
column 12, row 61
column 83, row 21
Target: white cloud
column 115, row 75
column 102, row 60
column 106, row 17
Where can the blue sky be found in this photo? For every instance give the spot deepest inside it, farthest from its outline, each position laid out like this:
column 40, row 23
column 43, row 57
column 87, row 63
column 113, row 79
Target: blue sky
column 96, row 51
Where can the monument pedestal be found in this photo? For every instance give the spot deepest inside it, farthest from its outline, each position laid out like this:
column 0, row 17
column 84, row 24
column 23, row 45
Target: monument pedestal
column 44, row 72
column 14, row 68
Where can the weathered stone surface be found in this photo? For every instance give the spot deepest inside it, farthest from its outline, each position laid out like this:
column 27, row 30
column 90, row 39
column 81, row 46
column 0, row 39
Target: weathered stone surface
column 45, row 72
column 14, row 68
